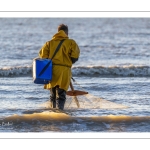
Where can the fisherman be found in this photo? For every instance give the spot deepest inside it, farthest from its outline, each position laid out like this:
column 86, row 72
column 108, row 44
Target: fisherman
column 67, row 55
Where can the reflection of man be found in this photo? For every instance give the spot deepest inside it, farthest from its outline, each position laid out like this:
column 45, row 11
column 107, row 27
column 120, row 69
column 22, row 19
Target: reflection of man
column 62, row 62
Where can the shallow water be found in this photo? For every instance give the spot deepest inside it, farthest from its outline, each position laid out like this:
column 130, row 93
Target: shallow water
column 113, row 68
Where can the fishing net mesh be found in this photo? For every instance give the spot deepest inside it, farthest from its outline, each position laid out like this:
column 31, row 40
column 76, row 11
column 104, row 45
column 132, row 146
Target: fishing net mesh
column 90, row 101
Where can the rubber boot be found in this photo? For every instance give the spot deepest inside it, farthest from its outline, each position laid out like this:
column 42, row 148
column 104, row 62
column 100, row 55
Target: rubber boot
column 61, row 98
column 53, row 97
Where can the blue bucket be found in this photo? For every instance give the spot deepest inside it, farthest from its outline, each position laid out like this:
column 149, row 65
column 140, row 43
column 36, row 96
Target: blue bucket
column 42, row 71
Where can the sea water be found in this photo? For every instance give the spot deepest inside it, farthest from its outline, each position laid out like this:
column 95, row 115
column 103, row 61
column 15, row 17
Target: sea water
column 113, row 67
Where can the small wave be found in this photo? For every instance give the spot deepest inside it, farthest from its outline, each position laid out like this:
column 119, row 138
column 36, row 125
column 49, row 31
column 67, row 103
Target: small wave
column 54, row 116
column 87, row 71
column 61, row 122
column 115, row 71
column 15, row 71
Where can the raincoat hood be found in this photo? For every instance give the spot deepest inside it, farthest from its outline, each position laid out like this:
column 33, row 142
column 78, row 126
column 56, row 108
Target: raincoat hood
column 60, row 35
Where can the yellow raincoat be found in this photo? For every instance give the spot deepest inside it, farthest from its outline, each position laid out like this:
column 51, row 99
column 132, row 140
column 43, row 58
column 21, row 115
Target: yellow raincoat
column 62, row 60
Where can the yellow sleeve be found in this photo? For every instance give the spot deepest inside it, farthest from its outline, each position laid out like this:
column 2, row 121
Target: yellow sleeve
column 44, row 51
column 75, row 51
